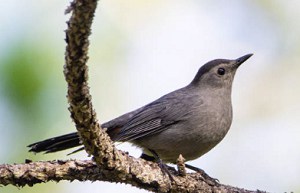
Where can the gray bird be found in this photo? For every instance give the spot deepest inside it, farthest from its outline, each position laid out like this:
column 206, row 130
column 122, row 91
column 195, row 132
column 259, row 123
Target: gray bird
column 188, row 121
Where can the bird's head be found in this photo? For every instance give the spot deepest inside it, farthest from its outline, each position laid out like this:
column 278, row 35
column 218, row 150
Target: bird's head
column 218, row 73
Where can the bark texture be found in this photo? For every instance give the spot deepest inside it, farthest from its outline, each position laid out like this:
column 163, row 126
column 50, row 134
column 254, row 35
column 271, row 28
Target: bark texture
column 150, row 176
column 108, row 164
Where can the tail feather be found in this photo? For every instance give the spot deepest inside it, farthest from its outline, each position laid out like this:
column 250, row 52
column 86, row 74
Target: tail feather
column 70, row 140
column 56, row 143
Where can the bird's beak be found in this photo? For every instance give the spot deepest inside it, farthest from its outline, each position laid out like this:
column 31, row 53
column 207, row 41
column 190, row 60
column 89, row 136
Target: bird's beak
column 241, row 60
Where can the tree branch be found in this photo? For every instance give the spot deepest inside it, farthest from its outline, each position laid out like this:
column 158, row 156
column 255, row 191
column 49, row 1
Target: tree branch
column 45, row 171
column 112, row 165
column 76, row 74
column 41, row 172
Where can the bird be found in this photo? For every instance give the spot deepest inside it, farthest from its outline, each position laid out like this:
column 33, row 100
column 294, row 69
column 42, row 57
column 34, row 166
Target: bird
column 189, row 121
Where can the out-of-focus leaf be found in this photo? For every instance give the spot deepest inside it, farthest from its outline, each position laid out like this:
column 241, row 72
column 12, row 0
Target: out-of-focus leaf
column 24, row 74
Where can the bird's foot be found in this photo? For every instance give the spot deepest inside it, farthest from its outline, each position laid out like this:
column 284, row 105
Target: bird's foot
column 164, row 167
column 205, row 176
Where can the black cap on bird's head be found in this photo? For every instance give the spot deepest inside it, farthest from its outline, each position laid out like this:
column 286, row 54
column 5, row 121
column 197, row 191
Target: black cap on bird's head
column 219, row 72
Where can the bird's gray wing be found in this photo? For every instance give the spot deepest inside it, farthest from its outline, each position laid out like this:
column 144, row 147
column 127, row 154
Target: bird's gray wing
column 156, row 117
column 121, row 120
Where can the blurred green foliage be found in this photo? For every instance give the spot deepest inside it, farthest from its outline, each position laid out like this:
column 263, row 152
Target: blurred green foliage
column 31, row 82
column 28, row 78
column 24, row 75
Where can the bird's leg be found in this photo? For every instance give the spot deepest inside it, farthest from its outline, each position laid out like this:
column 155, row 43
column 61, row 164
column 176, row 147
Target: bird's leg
column 202, row 172
column 163, row 166
column 147, row 157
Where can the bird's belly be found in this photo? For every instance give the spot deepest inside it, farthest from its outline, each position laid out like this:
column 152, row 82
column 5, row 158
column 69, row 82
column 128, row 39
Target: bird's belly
column 192, row 143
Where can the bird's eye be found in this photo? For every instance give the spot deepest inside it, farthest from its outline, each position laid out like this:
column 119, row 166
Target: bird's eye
column 221, row 71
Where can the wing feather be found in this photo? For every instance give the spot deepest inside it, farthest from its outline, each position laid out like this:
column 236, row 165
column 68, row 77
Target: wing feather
column 156, row 116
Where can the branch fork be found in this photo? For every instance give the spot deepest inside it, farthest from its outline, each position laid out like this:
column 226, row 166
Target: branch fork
column 108, row 163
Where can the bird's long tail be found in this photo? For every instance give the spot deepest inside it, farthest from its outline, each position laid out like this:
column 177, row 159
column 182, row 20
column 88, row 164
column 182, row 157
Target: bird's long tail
column 70, row 140
column 56, row 143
